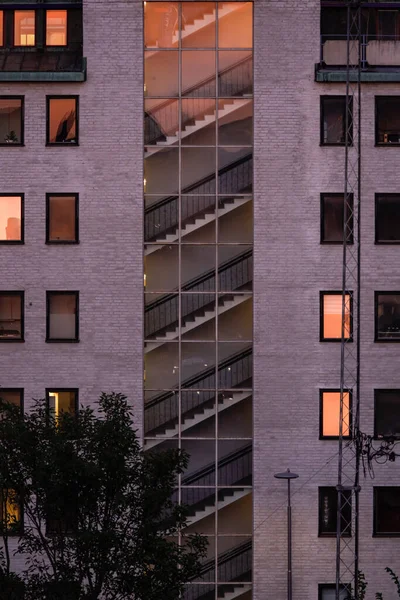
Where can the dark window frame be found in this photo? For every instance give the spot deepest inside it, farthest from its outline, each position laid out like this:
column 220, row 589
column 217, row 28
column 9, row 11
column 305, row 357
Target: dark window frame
column 36, row 26
column 377, row 142
column 321, row 414
column 20, row 529
column 50, row 97
column 377, row 391
column 378, row 340
column 375, row 532
column 327, row 534
column 338, row 144
column 324, row 242
column 22, row 98
column 323, row 293
column 330, row 586
column 377, row 241
column 49, row 390
column 20, row 294
column 62, row 195
column 20, row 242
column 50, row 340
column 15, row 389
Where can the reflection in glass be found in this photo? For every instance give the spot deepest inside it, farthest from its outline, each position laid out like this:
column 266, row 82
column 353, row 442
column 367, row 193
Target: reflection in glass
column 235, row 29
column 161, row 73
column 56, row 28
column 24, row 28
column 160, row 24
column 10, row 218
column 10, row 121
column 62, row 316
column 198, row 73
column 388, row 316
column 62, row 121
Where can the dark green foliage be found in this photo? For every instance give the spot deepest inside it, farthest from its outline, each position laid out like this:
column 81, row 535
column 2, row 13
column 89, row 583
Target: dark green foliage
column 99, row 519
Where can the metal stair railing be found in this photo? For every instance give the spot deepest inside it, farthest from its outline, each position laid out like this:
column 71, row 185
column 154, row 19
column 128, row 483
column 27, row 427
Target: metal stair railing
column 234, row 81
column 233, row 275
column 163, row 410
column 234, row 565
column 163, row 217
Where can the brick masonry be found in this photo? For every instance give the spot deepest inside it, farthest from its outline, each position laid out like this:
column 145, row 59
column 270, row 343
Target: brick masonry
column 291, row 267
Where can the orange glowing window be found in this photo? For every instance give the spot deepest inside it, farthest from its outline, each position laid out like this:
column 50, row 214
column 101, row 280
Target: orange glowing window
column 11, row 112
column 10, row 511
column 62, row 120
column 330, row 413
column 331, row 316
column 1, row 28
column 24, row 28
column 11, row 214
column 62, row 401
column 56, row 28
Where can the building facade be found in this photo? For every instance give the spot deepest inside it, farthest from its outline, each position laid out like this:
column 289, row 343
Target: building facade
column 208, row 139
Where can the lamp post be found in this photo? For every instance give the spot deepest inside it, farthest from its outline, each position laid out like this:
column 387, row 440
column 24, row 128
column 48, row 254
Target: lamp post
column 288, row 475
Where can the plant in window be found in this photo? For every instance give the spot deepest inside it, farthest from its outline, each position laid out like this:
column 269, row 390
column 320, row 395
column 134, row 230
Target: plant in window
column 11, row 138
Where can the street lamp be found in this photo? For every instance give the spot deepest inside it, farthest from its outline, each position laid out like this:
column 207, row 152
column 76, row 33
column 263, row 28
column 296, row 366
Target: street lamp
column 288, row 475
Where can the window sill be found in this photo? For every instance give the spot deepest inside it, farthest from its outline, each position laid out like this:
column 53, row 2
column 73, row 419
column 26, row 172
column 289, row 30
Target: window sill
column 325, row 438
column 12, row 242
column 333, row 145
column 387, row 145
column 335, row 340
column 11, row 341
column 333, row 535
column 55, row 341
column 323, row 243
column 386, row 340
column 62, row 242
column 387, row 243
column 13, row 145
column 62, row 144
column 386, row 535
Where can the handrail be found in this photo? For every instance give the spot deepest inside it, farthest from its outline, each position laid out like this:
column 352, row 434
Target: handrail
column 210, row 468
column 227, row 556
column 193, row 186
column 196, row 378
column 200, row 279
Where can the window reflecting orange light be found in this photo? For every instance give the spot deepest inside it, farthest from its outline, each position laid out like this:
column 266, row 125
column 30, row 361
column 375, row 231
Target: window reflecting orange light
column 24, row 28
column 10, row 218
column 56, row 28
column 332, row 316
column 10, row 512
column 331, row 413
column 1, row 28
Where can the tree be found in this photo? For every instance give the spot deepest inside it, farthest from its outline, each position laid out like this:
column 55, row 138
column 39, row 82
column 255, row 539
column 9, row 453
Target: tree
column 99, row 518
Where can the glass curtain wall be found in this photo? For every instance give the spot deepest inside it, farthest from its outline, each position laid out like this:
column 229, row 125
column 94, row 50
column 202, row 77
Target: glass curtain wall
column 198, row 130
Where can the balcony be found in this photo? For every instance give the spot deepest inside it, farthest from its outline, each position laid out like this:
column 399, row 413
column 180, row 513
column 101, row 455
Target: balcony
column 41, row 42
column 380, row 43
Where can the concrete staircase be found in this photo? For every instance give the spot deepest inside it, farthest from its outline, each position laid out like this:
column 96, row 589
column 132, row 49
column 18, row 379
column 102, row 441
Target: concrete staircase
column 232, row 591
column 228, row 107
column 196, row 320
column 202, row 415
column 208, row 217
column 207, row 19
column 229, row 496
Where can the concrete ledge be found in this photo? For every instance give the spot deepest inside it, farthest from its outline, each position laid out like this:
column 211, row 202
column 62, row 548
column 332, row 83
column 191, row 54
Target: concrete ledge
column 327, row 76
column 45, row 76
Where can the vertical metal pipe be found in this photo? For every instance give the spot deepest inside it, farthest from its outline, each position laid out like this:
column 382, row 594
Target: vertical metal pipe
column 289, row 533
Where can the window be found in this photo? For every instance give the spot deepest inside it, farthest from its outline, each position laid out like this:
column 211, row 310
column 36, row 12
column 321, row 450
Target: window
column 62, row 120
column 388, row 24
column 1, row 28
column 62, row 316
column 387, row 414
column 387, row 511
column 333, row 120
column 387, row 120
column 387, row 316
column 11, row 219
column 332, row 209
column 327, row 591
column 11, row 121
column 11, row 316
column 24, row 28
column 331, row 316
column 328, row 497
column 13, row 396
column 10, row 512
column 387, row 218
column 330, row 413
column 56, row 28
column 62, row 218
column 62, row 400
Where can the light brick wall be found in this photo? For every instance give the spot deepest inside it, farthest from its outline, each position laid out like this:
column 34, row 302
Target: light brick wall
column 106, row 267
column 291, row 267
